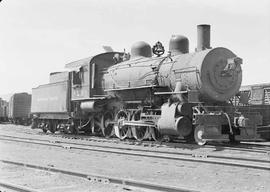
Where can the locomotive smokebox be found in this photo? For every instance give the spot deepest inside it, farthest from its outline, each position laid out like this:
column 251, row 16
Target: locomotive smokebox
column 203, row 37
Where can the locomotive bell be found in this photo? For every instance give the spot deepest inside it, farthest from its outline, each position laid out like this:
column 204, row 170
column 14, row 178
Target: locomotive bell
column 141, row 49
column 179, row 44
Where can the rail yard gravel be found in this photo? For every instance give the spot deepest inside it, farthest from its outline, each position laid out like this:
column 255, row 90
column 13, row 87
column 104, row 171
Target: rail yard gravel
column 188, row 175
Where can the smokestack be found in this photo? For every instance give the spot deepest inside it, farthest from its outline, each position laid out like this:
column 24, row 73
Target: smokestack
column 203, row 35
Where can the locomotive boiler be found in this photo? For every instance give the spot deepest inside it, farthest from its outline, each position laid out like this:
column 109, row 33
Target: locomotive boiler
column 180, row 95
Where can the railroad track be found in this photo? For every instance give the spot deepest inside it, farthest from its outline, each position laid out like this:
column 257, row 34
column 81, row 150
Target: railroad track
column 245, row 147
column 90, row 176
column 14, row 187
column 256, row 148
column 261, row 164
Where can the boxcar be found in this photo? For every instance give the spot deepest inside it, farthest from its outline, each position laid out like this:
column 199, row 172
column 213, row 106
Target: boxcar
column 256, row 98
column 19, row 108
column 3, row 110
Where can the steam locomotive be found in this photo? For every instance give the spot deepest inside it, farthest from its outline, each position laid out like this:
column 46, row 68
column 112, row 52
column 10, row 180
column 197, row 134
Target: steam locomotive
column 180, row 95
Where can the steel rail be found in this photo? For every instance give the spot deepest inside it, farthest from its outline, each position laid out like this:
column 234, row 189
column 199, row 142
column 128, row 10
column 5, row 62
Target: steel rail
column 142, row 150
column 239, row 147
column 15, row 187
column 245, row 146
column 200, row 158
column 102, row 178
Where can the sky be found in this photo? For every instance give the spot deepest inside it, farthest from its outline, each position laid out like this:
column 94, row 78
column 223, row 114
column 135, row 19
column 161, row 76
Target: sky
column 40, row 36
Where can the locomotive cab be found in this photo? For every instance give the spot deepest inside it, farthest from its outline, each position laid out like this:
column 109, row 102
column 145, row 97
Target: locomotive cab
column 87, row 75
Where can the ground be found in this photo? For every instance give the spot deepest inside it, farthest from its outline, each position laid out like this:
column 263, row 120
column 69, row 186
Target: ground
column 183, row 174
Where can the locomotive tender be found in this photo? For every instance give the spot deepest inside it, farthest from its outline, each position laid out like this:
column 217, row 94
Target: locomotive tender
column 180, row 95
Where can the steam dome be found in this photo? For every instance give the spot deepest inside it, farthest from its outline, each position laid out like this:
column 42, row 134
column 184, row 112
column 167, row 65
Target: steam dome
column 142, row 49
column 179, row 44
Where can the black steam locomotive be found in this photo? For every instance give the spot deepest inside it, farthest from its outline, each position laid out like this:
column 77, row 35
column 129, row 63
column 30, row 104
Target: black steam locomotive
column 179, row 95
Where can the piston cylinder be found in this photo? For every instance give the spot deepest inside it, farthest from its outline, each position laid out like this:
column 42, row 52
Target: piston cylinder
column 168, row 124
column 183, row 125
column 185, row 109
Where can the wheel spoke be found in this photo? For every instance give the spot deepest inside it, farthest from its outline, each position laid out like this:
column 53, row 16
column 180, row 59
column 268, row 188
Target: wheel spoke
column 106, row 125
column 123, row 131
column 139, row 133
column 155, row 134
